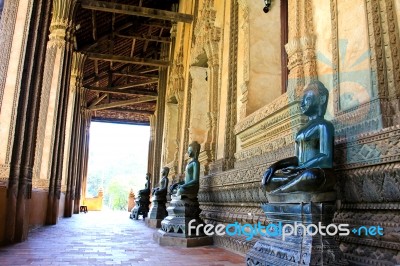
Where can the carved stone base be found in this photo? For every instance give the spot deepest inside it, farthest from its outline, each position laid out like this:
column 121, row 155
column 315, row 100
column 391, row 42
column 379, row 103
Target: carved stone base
column 296, row 197
column 164, row 239
column 141, row 208
column 181, row 212
column 300, row 249
column 158, row 209
column 153, row 223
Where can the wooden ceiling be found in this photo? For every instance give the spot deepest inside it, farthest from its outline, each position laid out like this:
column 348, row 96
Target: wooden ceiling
column 122, row 40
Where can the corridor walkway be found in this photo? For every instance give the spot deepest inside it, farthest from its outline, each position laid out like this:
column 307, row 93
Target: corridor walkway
column 106, row 238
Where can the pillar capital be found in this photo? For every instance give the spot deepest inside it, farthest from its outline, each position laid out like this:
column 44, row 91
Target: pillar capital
column 78, row 62
column 61, row 27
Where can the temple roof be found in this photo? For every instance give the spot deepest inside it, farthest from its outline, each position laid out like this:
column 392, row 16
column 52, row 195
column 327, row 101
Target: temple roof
column 122, row 40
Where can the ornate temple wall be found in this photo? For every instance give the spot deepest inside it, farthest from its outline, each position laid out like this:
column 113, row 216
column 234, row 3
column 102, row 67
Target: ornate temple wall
column 264, row 56
column 352, row 47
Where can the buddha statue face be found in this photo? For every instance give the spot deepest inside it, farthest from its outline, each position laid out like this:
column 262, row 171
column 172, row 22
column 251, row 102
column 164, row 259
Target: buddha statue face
column 190, row 152
column 315, row 100
column 164, row 171
column 310, row 103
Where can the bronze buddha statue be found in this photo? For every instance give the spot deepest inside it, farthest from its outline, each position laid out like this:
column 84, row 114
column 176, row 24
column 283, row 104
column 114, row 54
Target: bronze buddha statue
column 162, row 189
column 190, row 186
column 146, row 191
column 311, row 169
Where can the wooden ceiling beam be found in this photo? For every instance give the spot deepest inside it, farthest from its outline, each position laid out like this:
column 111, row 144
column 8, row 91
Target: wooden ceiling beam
column 105, row 38
column 136, row 11
column 146, row 112
column 136, row 75
column 113, row 91
column 123, row 103
column 97, row 100
column 148, row 71
column 132, row 85
column 94, row 25
column 157, row 24
column 145, row 37
column 127, row 59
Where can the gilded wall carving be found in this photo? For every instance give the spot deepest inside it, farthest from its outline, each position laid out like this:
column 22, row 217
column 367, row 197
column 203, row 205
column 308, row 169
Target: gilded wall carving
column 231, row 109
column 205, row 52
column 244, row 38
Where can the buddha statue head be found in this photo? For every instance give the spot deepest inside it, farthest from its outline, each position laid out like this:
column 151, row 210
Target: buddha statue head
column 315, row 99
column 165, row 171
column 194, row 150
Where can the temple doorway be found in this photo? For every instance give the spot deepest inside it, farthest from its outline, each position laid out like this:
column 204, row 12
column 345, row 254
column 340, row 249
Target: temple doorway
column 117, row 166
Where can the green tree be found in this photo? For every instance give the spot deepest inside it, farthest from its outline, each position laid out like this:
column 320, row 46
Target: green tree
column 93, row 185
column 118, row 193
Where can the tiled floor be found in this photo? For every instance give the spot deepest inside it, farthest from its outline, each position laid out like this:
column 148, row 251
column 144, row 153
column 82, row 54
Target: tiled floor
column 106, row 238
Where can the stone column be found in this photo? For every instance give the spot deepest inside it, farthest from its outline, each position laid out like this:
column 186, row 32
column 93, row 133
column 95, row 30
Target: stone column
column 150, row 159
column 15, row 16
column 72, row 131
column 88, row 117
column 159, row 122
column 80, row 189
column 53, row 102
column 23, row 145
column 74, row 153
column 78, row 159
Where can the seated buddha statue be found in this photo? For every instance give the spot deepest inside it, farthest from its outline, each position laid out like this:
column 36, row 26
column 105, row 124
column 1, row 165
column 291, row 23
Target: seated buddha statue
column 146, row 191
column 161, row 191
column 190, row 186
column 310, row 170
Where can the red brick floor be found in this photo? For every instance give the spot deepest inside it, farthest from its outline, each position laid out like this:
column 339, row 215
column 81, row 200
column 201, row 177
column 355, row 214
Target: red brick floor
column 107, row 238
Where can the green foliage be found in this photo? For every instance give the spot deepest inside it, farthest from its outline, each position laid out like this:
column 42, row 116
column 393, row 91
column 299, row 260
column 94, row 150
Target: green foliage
column 93, row 185
column 118, row 191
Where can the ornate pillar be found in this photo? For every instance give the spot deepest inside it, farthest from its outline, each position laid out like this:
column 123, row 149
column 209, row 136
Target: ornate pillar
column 243, row 44
column 88, row 118
column 159, row 117
column 231, row 106
column 15, row 16
column 302, row 64
column 23, row 145
column 82, row 159
column 150, row 158
column 52, row 116
column 72, row 174
column 207, row 37
column 72, row 130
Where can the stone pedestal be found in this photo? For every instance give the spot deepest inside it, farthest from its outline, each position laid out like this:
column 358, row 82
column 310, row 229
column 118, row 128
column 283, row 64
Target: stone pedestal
column 300, row 249
column 157, row 212
column 174, row 228
column 153, row 223
column 141, row 207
